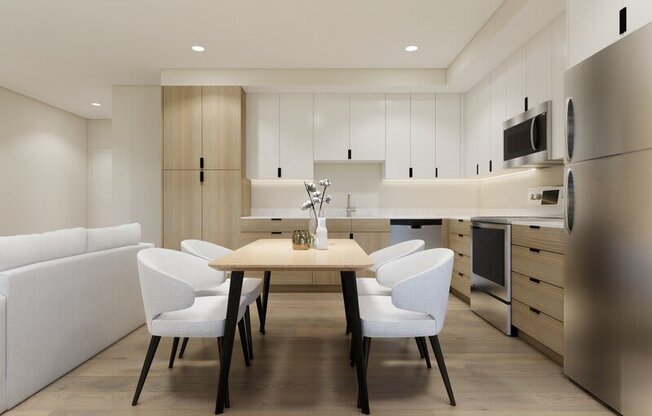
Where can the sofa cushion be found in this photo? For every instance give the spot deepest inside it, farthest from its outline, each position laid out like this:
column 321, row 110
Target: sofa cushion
column 21, row 250
column 112, row 237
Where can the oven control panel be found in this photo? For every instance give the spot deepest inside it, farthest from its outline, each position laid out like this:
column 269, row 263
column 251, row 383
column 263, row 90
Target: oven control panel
column 546, row 196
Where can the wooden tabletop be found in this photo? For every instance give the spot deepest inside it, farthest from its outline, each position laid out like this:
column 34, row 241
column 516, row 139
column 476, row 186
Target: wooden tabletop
column 277, row 254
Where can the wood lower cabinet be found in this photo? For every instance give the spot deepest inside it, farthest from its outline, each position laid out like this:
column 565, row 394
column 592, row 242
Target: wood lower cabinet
column 537, row 288
column 182, row 207
column 329, row 278
column 221, row 207
column 458, row 235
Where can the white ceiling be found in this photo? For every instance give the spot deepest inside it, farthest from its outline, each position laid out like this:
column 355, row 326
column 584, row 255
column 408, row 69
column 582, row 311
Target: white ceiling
column 69, row 53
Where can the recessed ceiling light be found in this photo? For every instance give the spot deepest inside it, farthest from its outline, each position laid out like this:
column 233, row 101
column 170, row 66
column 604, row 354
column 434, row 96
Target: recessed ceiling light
column 198, row 48
column 96, row 104
column 411, row 48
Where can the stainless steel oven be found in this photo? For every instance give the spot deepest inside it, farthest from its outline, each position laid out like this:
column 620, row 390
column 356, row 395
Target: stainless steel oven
column 527, row 138
column 491, row 288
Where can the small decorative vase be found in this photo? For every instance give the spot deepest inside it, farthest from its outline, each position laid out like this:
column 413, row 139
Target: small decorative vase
column 321, row 235
column 312, row 230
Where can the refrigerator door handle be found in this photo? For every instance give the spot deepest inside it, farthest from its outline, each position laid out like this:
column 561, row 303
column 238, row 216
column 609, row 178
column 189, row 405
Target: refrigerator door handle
column 570, row 128
column 569, row 202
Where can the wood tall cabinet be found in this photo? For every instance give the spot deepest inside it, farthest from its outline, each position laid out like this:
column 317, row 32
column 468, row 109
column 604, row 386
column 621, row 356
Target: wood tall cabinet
column 203, row 165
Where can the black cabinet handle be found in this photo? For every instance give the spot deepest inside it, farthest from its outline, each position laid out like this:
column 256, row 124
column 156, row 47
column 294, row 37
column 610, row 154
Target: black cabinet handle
column 460, row 235
column 477, row 169
column 351, row 236
column 535, row 250
column 201, row 176
column 537, row 281
column 278, row 173
column 277, row 219
column 622, row 16
column 538, row 312
column 491, row 165
column 349, row 154
column 201, row 163
column 410, row 172
column 534, row 227
column 276, row 232
column 460, row 220
column 525, row 103
column 460, row 254
column 436, row 172
column 461, row 274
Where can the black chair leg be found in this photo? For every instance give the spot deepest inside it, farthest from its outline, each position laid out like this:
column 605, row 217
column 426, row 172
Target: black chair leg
column 424, row 346
column 259, row 307
column 250, row 345
column 352, row 355
column 434, row 341
column 227, row 399
column 243, row 341
column 420, row 347
column 184, row 344
column 366, row 347
column 346, row 308
column 151, row 351
column 266, row 282
column 173, row 354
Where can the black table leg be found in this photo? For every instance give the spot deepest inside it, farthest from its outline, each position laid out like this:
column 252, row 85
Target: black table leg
column 349, row 284
column 233, row 306
column 346, row 307
column 266, row 281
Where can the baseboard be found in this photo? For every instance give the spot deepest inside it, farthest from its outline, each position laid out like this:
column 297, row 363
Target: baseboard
column 461, row 296
column 541, row 348
column 306, row 288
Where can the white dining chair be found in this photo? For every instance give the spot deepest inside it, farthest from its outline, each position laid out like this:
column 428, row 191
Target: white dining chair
column 253, row 289
column 383, row 286
column 417, row 305
column 168, row 281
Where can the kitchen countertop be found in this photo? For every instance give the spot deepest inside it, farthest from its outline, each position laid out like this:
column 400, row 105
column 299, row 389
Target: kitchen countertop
column 532, row 216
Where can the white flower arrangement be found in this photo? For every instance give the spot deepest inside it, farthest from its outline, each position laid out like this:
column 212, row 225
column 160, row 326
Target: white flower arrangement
column 316, row 197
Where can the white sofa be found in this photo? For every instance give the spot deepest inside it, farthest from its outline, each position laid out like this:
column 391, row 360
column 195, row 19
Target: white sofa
column 64, row 296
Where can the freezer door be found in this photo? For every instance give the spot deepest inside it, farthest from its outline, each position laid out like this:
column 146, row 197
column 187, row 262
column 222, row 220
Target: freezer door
column 608, row 280
column 609, row 100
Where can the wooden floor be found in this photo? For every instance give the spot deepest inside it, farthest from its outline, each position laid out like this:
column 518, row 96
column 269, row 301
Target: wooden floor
column 301, row 368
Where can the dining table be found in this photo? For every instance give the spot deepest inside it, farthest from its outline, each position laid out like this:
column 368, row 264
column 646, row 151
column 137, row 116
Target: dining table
column 275, row 255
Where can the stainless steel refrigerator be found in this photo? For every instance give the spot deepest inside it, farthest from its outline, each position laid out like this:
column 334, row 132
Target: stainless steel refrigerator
column 608, row 266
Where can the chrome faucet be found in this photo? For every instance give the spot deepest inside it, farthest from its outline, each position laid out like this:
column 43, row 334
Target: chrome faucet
column 349, row 209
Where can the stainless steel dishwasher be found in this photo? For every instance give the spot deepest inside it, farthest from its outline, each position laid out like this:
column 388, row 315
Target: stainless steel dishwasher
column 428, row 230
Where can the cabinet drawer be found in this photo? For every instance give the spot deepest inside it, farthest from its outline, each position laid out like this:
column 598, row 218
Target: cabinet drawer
column 461, row 283
column 462, row 264
column 538, row 325
column 338, row 225
column 276, row 224
column 542, row 265
column 460, row 243
column 543, row 238
column 542, row 296
column 370, row 225
column 459, row 227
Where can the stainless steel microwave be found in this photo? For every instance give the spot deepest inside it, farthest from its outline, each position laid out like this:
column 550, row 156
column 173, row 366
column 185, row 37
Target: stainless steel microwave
column 527, row 138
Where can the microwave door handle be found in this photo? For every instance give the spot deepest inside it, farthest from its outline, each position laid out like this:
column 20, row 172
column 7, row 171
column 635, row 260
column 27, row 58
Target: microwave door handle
column 532, row 123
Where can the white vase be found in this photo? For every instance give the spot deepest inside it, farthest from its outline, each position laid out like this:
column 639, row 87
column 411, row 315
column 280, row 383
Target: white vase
column 321, row 235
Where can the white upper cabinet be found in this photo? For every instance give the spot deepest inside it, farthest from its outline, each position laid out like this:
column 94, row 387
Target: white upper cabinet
column 332, row 127
column 471, row 129
column 497, row 118
column 262, row 136
column 559, row 65
column 593, row 25
column 515, row 84
column 639, row 13
column 367, row 127
column 397, row 121
column 423, row 136
column 539, row 68
column 447, row 136
column 296, row 141
column 484, row 126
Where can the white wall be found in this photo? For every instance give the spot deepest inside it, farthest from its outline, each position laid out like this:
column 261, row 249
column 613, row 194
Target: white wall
column 100, row 173
column 42, row 165
column 137, row 154
column 510, row 191
column 369, row 191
